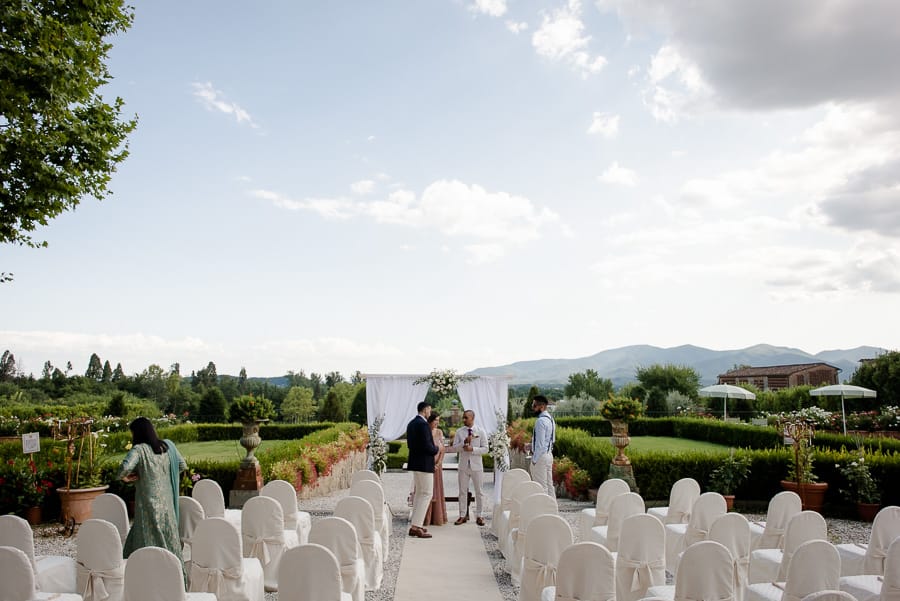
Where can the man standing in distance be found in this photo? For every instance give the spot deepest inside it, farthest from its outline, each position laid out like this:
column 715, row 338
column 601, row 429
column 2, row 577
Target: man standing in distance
column 542, row 445
column 421, row 463
column 471, row 443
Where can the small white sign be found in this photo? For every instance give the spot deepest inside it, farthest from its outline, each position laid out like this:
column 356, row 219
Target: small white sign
column 31, row 442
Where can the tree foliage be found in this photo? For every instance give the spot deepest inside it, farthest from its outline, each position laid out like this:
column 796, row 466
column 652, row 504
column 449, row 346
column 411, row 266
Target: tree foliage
column 298, row 405
column 332, row 410
column 882, row 375
column 589, row 383
column 657, row 380
column 59, row 139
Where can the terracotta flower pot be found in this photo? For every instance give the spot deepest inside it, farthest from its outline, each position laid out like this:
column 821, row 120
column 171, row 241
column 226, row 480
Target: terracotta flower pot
column 75, row 504
column 729, row 502
column 812, row 494
column 35, row 516
column 867, row 511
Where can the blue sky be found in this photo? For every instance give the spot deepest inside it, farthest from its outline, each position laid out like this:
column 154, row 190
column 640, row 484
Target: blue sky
column 398, row 186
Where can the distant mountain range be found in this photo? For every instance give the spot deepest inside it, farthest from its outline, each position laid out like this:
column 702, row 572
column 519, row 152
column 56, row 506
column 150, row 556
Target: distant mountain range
column 619, row 364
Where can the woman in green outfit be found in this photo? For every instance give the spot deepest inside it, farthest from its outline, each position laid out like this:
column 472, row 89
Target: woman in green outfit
column 155, row 466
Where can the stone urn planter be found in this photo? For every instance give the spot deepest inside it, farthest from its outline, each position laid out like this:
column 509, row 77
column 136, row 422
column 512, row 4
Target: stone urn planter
column 250, row 440
column 75, row 504
column 620, row 440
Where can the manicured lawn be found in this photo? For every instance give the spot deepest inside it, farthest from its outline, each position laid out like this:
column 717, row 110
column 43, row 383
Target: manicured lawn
column 213, row 450
column 672, row 445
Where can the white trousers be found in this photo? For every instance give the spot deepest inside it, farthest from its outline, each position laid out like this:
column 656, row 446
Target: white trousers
column 542, row 473
column 465, row 474
column 423, row 483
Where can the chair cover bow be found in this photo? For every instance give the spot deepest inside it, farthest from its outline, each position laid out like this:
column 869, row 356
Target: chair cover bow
column 210, row 580
column 95, row 580
column 259, row 547
column 678, row 516
column 546, row 572
column 642, row 575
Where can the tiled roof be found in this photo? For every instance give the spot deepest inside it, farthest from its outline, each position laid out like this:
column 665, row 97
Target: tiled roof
column 773, row 370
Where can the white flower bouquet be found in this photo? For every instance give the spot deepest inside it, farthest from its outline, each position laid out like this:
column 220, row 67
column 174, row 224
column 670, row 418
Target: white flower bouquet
column 443, row 382
column 499, row 444
column 377, row 448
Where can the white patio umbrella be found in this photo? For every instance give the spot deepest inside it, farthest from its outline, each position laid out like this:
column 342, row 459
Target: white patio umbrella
column 845, row 391
column 726, row 391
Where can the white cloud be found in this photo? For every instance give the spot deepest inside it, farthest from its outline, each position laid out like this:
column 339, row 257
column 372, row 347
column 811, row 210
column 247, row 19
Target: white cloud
column 493, row 8
column 561, row 37
column 495, row 221
column 214, row 100
column 605, row 124
column 814, row 51
column 622, row 176
column 516, row 26
column 363, row 187
column 370, row 139
column 675, row 86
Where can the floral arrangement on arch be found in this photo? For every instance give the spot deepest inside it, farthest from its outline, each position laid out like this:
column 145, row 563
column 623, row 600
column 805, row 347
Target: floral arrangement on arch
column 499, row 443
column 443, row 381
column 861, row 486
column 377, row 448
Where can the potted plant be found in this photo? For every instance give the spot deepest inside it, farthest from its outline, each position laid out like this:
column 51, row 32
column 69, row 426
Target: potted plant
column 862, row 488
column 801, row 478
column 85, row 448
column 23, row 487
column 729, row 475
column 620, row 410
column 250, row 411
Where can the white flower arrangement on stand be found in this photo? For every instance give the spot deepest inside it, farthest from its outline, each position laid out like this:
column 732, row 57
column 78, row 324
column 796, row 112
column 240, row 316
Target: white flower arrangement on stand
column 443, row 381
column 499, row 444
column 377, row 448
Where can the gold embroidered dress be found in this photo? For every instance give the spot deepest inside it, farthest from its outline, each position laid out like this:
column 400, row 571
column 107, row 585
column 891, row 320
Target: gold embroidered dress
column 155, row 499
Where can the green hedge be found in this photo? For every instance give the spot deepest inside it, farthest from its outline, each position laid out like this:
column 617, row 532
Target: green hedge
column 398, row 454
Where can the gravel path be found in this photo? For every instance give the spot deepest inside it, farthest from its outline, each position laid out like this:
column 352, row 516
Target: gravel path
column 49, row 539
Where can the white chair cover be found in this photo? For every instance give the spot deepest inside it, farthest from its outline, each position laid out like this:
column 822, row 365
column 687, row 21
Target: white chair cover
column 641, row 557
column 364, row 475
column 263, row 536
column 339, row 536
column 218, row 567
column 623, row 506
column 771, row 565
column 815, row 566
column 519, row 493
column 500, row 513
column 585, row 573
column 374, row 493
column 870, row 587
column 705, row 573
column 209, row 494
column 17, row 577
column 100, row 569
column 294, row 519
column 190, row 513
column 732, row 530
column 682, row 496
column 154, row 574
column 869, row 559
column 358, row 512
column 599, row 514
column 679, row 537
column 770, row 534
column 310, row 573
column 112, row 508
column 52, row 573
column 532, row 506
column 829, row 596
column 545, row 539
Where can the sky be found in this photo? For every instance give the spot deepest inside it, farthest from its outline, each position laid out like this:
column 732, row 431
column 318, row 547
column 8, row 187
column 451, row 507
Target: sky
column 393, row 187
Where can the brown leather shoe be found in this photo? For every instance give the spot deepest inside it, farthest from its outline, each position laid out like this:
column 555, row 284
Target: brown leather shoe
column 418, row 532
column 480, row 521
column 460, row 520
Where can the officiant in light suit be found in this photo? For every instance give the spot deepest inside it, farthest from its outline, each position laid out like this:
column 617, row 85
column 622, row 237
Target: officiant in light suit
column 471, row 442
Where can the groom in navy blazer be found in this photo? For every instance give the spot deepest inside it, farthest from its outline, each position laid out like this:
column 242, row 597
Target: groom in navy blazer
column 421, row 463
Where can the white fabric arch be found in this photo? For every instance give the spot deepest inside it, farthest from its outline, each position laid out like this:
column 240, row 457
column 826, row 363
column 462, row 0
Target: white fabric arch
column 395, row 397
